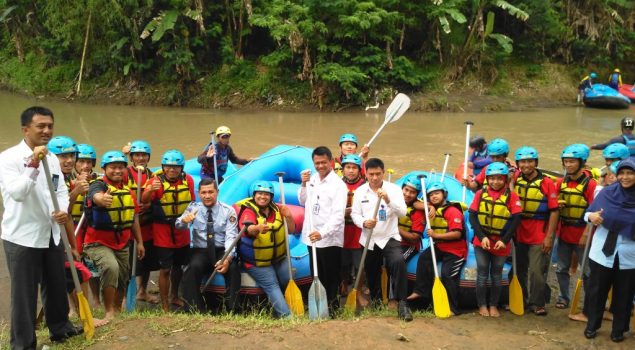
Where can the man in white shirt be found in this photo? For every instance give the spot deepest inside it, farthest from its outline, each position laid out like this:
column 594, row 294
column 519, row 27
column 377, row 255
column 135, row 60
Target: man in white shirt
column 385, row 239
column 31, row 234
column 324, row 196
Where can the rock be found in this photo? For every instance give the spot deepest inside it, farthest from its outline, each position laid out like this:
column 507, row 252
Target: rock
column 402, row 337
column 123, row 338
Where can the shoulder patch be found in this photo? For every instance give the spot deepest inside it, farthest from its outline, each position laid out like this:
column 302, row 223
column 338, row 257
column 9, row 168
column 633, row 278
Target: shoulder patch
column 232, row 218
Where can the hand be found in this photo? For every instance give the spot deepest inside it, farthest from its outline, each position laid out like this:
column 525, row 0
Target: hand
column 222, row 267
column 370, row 223
column 485, row 243
column 60, row 217
column 470, row 165
column 305, row 176
column 431, row 233
column 364, row 151
column 141, row 251
column 189, row 217
column 126, row 149
column 582, row 240
column 144, row 207
column 105, row 198
column 39, row 152
column 547, row 244
column 347, row 211
column 76, row 256
column 432, row 212
column 383, row 195
column 211, row 150
column 596, row 217
column 156, row 184
column 499, row 245
column 81, row 184
column 315, row 236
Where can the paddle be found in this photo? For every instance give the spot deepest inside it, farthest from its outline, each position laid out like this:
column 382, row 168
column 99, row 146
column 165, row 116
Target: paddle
column 468, row 125
column 84, row 310
column 396, row 109
column 131, row 292
column 516, row 303
column 439, row 294
column 292, row 294
column 246, row 224
column 351, row 299
column 213, row 133
column 390, row 172
column 318, row 302
column 445, row 166
column 578, row 284
column 384, row 273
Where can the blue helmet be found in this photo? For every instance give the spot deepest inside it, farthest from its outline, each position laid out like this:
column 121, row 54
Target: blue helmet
column 140, row 146
column 113, row 157
column 173, row 157
column 576, row 151
column 498, row 147
column 526, row 152
column 85, row 151
column 348, row 137
column 616, row 151
column 413, row 182
column 497, row 168
column 62, row 145
column 593, row 75
column 261, row 186
column 352, row 159
column 613, row 167
column 437, row 186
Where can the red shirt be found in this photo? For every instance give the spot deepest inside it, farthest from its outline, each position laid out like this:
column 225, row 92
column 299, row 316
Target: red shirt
column 418, row 219
column 454, row 218
column 250, row 216
column 534, row 231
column 352, row 233
column 513, row 205
column 106, row 237
column 146, row 228
column 570, row 233
column 166, row 235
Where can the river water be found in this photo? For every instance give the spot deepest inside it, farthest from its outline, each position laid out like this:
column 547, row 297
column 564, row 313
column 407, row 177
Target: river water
column 417, row 141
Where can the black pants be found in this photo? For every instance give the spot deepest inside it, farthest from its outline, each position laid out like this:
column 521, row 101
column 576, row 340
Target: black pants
column 450, row 276
column 201, row 264
column 329, row 261
column 600, row 282
column 29, row 267
column 396, row 269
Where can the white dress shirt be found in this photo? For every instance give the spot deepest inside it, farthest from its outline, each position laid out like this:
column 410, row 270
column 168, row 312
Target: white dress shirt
column 327, row 202
column 364, row 202
column 28, row 206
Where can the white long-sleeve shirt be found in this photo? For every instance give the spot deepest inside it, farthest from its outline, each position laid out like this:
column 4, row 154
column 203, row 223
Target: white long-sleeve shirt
column 364, row 203
column 28, row 206
column 327, row 204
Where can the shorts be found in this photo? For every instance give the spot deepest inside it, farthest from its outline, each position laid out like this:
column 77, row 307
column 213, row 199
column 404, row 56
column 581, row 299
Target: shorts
column 112, row 264
column 150, row 261
column 83, row 274
column 169, row 257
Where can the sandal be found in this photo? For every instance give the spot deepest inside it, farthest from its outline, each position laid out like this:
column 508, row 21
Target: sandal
column 562, row 304
column 540, row 311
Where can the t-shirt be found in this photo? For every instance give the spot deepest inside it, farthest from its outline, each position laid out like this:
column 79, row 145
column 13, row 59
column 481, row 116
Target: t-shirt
column 454, row 218
column 513, row 205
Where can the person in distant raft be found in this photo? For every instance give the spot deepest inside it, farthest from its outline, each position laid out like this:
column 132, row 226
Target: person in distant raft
column 615, row 79
column 479, row 158
column 626, row 138
column 348, row 145
column 224, row 153
column 448, row 231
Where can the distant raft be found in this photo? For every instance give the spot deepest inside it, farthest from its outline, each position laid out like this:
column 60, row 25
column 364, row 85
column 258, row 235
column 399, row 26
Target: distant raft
column 603, row 96
column 628, row 91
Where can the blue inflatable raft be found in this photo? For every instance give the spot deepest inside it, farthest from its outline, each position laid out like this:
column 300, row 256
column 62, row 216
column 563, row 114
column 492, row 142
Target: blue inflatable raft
column 604, row 96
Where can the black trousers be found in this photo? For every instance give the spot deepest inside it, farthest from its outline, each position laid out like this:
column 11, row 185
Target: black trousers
column 600, row 282
column 396, row 269
column 450, row 276
column 29, row 267
column 329, row 261
column 201, row 264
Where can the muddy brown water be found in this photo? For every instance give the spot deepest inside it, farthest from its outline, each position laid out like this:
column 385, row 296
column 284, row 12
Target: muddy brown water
column 417, row 141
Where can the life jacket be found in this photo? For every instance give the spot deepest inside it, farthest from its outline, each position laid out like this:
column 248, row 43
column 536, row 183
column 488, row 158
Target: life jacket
column 118, row 217
column 337, row 166
column 534, row 202
column 267, row 248
column 145, row 217
column 585, row 83
column 405, row 222
column 174, row 201
column 440, row 225
column 630, row 143
column 575, row 202
column 493, row 215
column 615, row 80
column 222, row 159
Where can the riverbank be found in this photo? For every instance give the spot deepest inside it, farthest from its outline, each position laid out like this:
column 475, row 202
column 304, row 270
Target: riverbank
column 511, row 87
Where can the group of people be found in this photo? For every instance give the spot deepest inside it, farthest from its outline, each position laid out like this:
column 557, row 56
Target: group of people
column 614, row 80
column 129, row 212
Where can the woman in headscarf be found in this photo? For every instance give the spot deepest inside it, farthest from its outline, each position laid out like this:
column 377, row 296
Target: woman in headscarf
column 612, row 252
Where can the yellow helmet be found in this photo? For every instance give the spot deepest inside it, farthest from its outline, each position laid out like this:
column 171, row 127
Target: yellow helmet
column 616, row 70
column 222, row 130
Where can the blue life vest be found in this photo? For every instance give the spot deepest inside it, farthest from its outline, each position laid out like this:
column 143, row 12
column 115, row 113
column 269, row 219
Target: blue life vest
column 614, row 80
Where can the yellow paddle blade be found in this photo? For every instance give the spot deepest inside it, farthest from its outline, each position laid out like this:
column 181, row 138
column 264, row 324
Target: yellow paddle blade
column 516, row 304
column 293, row 296
column 440, row 299
column 384, row 285
column 576, row 297
column 351, row 301
column 86, row 316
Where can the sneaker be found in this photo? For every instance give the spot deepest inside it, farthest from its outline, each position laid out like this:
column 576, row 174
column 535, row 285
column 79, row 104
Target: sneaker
column 404, row 312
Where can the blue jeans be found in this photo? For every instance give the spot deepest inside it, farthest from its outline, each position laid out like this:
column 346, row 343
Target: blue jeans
column 272, row 279
column 488, row 265
column 565, row 250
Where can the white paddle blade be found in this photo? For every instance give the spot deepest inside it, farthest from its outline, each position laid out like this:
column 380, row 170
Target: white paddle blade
column 397, row 108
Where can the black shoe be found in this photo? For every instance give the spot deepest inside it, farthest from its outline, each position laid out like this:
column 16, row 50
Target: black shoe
column 590, row 334
column 404, row 311
column 60, row 338
column 617, row 338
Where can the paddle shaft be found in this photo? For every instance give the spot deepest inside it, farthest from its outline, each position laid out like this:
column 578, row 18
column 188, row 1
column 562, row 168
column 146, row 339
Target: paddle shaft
column 227, row 252
column 587, row 245
column 311, row 229
column 425, row 208
column 370, row 234
column 215, row 162
column 286, row 226
column 56, row 207
column 445, row 166
column 134, row 245
column 468, row 126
